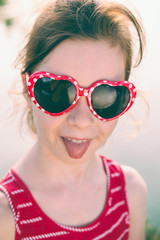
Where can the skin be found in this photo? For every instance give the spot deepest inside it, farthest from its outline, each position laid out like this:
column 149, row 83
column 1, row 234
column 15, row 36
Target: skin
column 49, row 172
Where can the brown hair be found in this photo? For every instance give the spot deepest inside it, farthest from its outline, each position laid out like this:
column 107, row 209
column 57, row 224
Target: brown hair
column 96, row 19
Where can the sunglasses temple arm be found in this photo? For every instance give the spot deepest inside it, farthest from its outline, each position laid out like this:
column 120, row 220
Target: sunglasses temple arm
column 23, row 77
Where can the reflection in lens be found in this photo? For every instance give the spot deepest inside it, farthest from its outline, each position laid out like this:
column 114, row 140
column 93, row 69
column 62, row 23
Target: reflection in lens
column 109, row 101
column 54, row 96
column 104, row 97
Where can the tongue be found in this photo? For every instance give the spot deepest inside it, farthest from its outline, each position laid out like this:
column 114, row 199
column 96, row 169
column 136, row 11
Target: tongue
column 76, row 150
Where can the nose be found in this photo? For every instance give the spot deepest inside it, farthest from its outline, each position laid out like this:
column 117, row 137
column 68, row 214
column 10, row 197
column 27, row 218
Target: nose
column 81, row 115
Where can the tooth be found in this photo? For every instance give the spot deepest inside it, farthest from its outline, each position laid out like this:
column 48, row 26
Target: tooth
column 76, row 141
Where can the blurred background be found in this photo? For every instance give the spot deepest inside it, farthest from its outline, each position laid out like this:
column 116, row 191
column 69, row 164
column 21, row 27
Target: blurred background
column 141, row 151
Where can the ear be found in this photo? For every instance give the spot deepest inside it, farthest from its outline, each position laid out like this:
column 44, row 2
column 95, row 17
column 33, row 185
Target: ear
column 27, row 98
column 25, row 90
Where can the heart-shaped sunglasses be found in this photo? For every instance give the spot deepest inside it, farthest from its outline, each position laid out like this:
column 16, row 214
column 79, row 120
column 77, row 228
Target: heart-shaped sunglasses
column 57, row 94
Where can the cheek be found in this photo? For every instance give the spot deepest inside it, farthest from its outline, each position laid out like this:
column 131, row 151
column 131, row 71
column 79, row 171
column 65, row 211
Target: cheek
column 44, row 122
column 107, row 128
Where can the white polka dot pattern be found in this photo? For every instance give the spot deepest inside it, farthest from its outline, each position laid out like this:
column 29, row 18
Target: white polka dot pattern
column 87, row 92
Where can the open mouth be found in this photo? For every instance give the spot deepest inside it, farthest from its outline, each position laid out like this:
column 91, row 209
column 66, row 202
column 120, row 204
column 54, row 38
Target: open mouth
column 76, row 148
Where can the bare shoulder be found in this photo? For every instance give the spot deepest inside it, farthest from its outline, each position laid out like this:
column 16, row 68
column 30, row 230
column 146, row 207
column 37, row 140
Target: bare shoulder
column 137, row 197
column 7, row 226
column 134, row 181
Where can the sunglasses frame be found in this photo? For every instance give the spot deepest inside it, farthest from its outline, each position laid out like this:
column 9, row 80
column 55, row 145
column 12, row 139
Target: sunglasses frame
column 80, row 91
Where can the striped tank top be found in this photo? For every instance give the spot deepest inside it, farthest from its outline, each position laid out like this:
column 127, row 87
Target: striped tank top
column 31, row 223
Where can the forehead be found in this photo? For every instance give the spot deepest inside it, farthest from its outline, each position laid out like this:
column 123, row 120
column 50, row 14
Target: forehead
column 85, row 60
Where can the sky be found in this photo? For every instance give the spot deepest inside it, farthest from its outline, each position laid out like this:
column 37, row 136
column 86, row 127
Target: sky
column 142, row 151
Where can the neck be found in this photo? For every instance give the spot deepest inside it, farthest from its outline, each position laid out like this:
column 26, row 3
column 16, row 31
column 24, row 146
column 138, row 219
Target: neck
column 44, row 163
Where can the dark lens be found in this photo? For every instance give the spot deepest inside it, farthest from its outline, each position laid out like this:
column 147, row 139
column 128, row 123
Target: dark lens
column 109, row 101
column 54, row 96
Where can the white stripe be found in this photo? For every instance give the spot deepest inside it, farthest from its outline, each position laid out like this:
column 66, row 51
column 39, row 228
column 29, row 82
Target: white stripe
column 32, row 220
column 24, row 205
column 113, row 190
column 47, row 235
column 117, row 174
column 8, row 181
column 17, row 191
column 74, row 229
column 123, row 234
column 110, row 163
column 18, row 216
column 108, row 172
column 115, row 207
column 113, row 227
column 12, row 208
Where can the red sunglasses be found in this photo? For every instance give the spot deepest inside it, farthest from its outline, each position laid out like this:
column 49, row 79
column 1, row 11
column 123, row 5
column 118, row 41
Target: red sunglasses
column 56, row 95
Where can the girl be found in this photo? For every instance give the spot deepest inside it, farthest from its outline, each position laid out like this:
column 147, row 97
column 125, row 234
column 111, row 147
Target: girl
column 76, row 67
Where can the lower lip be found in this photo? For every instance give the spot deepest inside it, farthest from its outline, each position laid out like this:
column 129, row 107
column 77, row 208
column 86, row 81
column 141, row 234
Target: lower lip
column 76, row 150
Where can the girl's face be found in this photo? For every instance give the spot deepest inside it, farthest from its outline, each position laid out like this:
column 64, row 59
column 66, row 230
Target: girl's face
column 77, row 135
